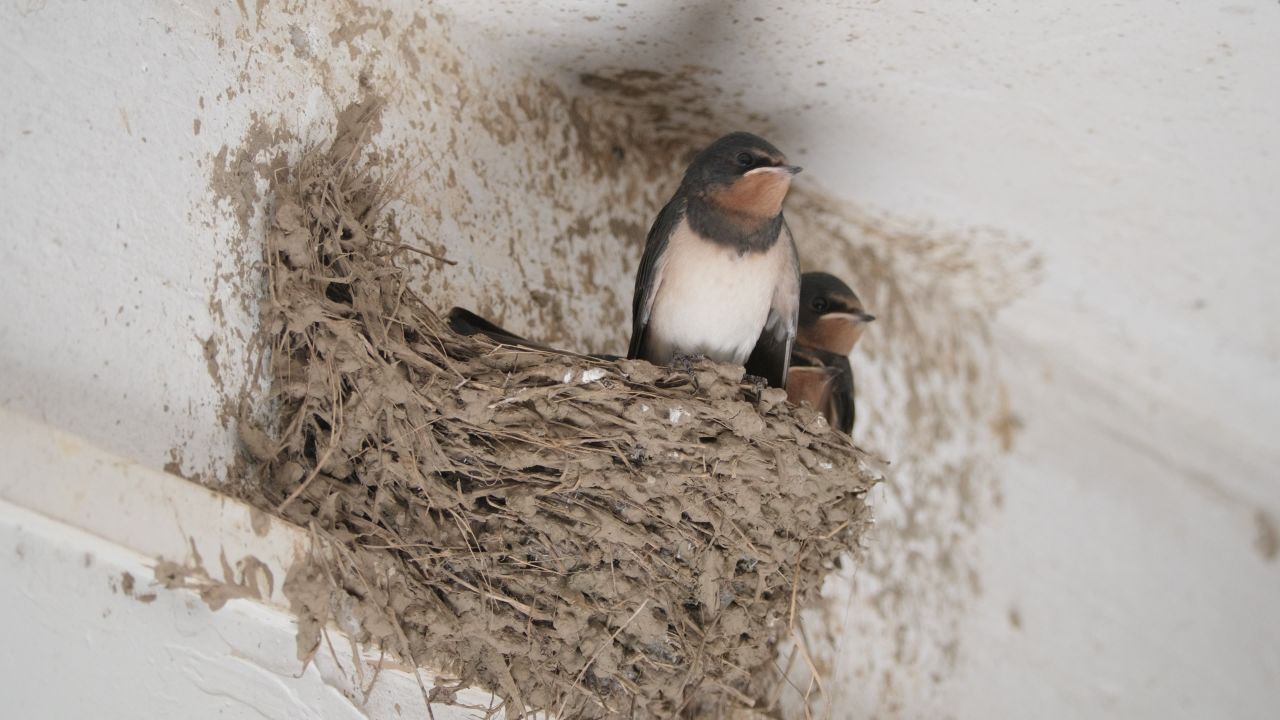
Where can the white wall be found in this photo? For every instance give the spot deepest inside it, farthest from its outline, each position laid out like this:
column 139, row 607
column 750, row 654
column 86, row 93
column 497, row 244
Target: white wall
column 1117, row 562
column 90, row 629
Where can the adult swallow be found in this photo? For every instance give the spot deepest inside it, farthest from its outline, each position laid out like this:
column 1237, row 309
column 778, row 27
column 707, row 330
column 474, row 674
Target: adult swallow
column 719, row 276
column 831, row 320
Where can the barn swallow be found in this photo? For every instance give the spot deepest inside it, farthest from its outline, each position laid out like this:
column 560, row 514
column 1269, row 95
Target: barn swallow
column 720, row 276
column 831, row 321
column 823, row 381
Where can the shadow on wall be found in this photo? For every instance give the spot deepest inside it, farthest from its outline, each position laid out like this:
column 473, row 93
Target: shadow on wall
column 541, row 187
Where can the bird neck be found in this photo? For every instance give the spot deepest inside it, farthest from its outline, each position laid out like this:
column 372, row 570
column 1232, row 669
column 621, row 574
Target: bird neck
column 729, row 227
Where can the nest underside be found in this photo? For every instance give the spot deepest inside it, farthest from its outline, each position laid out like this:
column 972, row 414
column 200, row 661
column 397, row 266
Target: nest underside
column 581, row 536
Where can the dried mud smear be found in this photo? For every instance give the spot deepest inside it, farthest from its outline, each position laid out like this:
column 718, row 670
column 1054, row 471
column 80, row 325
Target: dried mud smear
column 589, row 538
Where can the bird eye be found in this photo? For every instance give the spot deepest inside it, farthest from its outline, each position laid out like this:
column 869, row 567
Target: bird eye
column 745, row 159
column 819, row 304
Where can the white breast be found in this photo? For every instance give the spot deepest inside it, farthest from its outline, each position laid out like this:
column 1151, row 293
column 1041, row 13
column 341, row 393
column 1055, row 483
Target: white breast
column 711, row 300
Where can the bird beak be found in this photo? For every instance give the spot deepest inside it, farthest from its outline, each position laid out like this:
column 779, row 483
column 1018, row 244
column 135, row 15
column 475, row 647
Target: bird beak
column 850, row 319
column 782, row 171
column 866, row 317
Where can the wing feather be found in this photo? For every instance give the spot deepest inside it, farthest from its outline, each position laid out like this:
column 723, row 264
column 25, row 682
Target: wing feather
column 771, row 357
column 649, row 275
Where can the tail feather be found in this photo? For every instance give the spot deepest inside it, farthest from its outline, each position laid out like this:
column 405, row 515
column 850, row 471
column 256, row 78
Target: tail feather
column 465, row 322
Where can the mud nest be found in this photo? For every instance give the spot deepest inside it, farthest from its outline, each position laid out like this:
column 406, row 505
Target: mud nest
column 584, row 537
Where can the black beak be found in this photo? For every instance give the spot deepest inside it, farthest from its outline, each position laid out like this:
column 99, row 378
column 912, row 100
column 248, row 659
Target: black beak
column 792, row 169
column 866, row 317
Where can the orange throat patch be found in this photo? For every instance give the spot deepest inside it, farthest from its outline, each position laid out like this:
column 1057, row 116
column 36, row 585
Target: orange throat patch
column 757, row 194
column 836, row 333
column 810, row 386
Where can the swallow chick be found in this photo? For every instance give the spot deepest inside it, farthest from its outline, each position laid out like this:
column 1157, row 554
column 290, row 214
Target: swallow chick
column 831, row 320
column 719, row 276
column 822, row 381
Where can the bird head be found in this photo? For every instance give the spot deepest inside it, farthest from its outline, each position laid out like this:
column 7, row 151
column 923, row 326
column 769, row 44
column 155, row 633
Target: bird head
column 831, row 314
column 743, row 174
